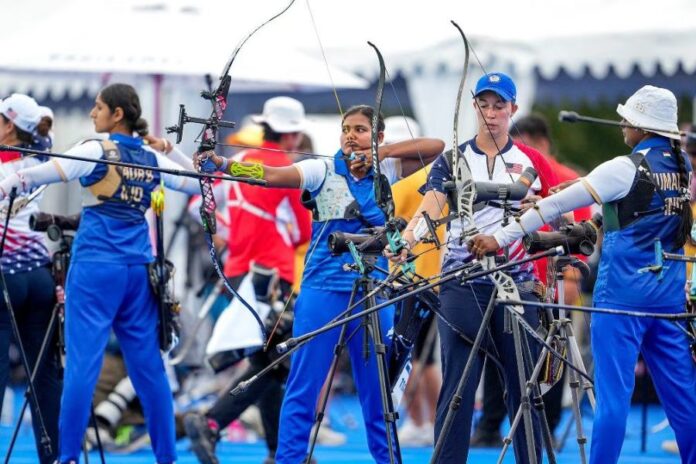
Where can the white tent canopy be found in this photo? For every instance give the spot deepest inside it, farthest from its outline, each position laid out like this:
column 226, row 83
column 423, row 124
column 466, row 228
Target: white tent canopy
column 184, row 39
column 165, row 38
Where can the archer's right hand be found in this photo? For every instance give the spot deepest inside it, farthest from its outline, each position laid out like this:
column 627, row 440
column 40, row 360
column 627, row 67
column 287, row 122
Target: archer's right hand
column 397, row 258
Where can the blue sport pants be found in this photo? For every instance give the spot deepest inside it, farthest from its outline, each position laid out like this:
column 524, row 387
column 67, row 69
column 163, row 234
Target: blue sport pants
column 310, row 365
column 463, row 308
column 101, row 297
column 616, row 342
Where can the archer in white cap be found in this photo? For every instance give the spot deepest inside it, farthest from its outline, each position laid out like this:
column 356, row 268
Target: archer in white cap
column 20, row 116
column 25, row 263
column 283, row 115
column 645, row 197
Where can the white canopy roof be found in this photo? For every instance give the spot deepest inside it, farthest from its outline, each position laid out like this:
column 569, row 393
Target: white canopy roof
column 164, row 38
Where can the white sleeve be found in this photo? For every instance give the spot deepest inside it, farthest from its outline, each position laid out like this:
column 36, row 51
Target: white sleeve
column 58, row 169
column 184, row 184
column 574, row 197
column 611, row 180
column 181, row 159
column 312, row 173
column 71, row 169
column 391, row 168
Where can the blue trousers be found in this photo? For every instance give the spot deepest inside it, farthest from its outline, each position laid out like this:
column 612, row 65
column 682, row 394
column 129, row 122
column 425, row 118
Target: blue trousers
column 463, row 308
column 616, row 342
column 101, row 297
column 310, row 365
column 32, row 297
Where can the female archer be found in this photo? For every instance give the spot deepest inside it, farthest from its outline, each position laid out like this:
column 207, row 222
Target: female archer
column 645, row 197
column 108, row 285
column 26, row 265
column 492, row 157
column 342, row 190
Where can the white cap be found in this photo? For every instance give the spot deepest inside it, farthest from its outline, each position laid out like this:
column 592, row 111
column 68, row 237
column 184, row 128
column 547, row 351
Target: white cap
column 653, row 108
column 400, row 128
column 283, row 114
column 45, row 111
column 22, row 110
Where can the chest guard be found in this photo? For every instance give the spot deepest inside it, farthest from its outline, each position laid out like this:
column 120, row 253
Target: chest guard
column 119, row 188
column 334, row 199
column 622, row 213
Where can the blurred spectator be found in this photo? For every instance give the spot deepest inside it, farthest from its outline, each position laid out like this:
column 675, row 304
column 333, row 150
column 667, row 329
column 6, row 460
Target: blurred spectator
column 424, row 383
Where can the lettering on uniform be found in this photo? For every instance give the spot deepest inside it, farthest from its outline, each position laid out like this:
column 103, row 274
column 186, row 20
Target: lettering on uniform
column 137, row 174
column 672, row 206
column 131, row 193
column 667, row 180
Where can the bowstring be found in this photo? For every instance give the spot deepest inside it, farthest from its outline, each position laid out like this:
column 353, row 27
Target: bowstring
column 340, row 110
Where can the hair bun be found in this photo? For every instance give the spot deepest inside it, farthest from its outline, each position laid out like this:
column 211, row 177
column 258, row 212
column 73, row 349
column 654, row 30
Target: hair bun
column 141, row 127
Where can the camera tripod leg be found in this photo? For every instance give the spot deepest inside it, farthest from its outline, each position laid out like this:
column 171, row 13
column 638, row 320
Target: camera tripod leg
column 525, row 405
column 45, row 440
column 39, row 360
column 576, row 382
column 538, row 403
column 456, row 400
column 93, row 419
column 507, row 441
column 573, row 349
column 390, row 415
column 338, row 349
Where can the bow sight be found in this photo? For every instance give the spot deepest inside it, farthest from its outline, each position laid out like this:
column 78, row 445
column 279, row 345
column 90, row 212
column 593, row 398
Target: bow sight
column 184, row 119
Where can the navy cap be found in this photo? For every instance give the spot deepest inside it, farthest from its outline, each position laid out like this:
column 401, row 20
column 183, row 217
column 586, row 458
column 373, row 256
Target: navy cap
column 499, row 83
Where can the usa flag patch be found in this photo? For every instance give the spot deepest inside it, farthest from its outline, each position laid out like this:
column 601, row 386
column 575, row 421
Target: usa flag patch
column 513, row 168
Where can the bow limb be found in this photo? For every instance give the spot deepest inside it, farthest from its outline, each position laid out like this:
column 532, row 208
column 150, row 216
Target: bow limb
column 461, row 172
column 466, row 195
column 383, row 198
column 218, row 99
column 382, row 189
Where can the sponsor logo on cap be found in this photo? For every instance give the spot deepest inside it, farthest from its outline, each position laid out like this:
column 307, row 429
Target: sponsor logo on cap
column 494, row 78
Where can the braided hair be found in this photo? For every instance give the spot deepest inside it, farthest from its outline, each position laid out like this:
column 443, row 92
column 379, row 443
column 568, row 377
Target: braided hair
column 684, row 208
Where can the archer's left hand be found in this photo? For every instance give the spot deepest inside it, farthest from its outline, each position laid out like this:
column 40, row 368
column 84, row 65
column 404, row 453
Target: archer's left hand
column 482, row 245
column 207, row 161
column 529, row 202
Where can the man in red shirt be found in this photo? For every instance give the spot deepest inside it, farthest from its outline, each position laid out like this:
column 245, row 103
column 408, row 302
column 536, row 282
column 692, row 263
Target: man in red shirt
column 533, row 130
column 267, row 224
column 265, row 227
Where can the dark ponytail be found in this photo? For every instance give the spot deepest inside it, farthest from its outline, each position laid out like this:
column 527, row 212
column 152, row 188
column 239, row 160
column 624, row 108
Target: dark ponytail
column 684, row 208
column 44, row 126
column 125, row 97
column 140, row 127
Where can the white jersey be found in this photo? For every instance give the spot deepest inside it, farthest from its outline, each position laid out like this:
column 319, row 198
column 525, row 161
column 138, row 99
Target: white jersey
column 506, row 169
column 25, row 249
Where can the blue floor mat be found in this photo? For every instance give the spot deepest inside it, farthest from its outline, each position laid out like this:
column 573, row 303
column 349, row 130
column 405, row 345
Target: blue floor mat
column 346, row 417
